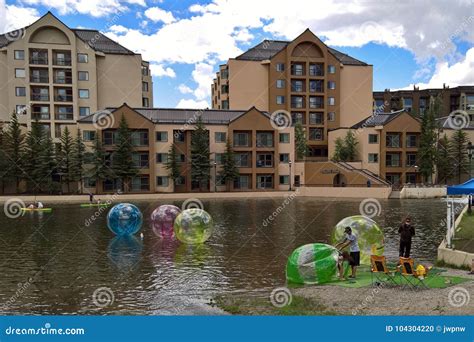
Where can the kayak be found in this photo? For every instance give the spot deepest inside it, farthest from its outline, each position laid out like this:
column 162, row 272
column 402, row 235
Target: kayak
column 88, row 205
column 47, row 210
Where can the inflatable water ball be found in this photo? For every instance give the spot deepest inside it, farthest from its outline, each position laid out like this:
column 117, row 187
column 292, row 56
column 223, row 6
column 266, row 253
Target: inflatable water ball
column 193, row 226
column 314, row 263
column 162, row 220
column 369, row 236
column 124, row 219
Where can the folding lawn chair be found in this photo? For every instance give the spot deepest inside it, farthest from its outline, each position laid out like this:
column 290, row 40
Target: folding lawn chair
column 408, row 272
column 380, row 271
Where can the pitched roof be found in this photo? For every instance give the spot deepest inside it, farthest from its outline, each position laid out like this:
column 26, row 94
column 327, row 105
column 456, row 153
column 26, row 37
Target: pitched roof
column 378, row 119
column 269, row 48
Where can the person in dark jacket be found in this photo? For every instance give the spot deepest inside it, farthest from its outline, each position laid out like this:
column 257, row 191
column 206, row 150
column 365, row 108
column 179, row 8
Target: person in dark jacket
column 406, row 231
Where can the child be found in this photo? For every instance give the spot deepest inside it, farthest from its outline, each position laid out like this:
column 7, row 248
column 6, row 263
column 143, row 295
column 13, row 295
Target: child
column 343, row 256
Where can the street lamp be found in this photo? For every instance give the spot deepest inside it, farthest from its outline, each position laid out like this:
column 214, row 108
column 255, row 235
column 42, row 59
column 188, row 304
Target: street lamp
column 416, row 174
column 215, row 176
column 289, row 177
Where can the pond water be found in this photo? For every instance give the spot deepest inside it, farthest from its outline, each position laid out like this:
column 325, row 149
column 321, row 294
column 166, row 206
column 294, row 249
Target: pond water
column 52, row 263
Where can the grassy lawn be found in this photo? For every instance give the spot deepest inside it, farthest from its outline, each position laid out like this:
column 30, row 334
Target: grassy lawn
column 464, row 236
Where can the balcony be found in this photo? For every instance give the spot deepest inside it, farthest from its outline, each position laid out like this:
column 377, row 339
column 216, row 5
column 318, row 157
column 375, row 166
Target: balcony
column 316, row 70
column 39, row 94
column 62, row 77
column 39, row 57
column 63, row 95
column 39, row 78
column 62, row 58
column 297, row 70
column 64, row 113
column 40, row 113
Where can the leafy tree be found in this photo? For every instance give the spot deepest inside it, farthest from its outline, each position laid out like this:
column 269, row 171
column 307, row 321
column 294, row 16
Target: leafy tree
column 443, row 162
column 172, row 165
column 458, row 152
column 301, row 146
column 77, row 162
column 66, row 159
column 123, row 166
column 200, row 155
column 229, row 171
column 99, row 170
column 14, row 140
column 32, row 157
column 346, row 149
column 339, row 150
column 427, row 150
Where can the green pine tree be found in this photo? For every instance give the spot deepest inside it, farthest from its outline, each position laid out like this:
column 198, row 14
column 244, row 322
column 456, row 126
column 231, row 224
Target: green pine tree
column 229, row 171
column 47, row 163
column 350, row 144
column 200, row 155
column 172, row 165
column 77, row 162
column 428, row 141
column 32, row 157
column 3, row 161
column 99, row 170
column 14, row 140
column 458, row 153
column 301, row 146
column 123, row 166
column 443, row 162
column 340, row 153
column 66, row 159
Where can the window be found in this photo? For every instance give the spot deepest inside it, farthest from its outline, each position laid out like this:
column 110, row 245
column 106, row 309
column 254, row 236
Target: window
column 411, row 159
column 20, row 73
column 145, row 71
column 285, row 138
column 242, row 159
column 264, row 139
column 64, row 113
column 297, row 86
column 264, row 160
column 161, row 158
column 220, row 180
column 83, row 93
column 331, row 116
column 297, row 118
column 393, row 140
column 225, row 74
column 265, row 181
column 225, row 104
column 20, row 109
column 62, row 58
column 373, row 139
column 392, row 160
column 145, row 102
column 297, row 102
column 20, row 91
column 84, row 111
column 83, row 75
column 220, row 137
column 161, row 136
column 316, row 118
column 242, row 182
column 316, row 69
column 82, row 58
column 140, row 160
column 280, row 84
column 62, row 76
column 393, row 178
column 316, row 86
column 38, row 57
column 373, row 158
column 331, row 101
column 139, row 138
column 40, row 112
column 140, row 183
column 20, row 55
column 61, row 94
column 39, row 75
column 88, row 135
column 411, row 178
column 89, row 182
column 224, row 89
column 284, row 158
column 162, row 181
column 316, row 102
column 181, row 158
column 331, row 69
column 331, row 85
column 284, row 180
column 241, row 139
column 109, row 137
column 407, row 104
column 315, row 134
column 412, row 140
column 145, row 86
column 181, row 180
column 219, row 158
column 297, row 69
column 178, row 136
column 280, row 67
column 280, row 99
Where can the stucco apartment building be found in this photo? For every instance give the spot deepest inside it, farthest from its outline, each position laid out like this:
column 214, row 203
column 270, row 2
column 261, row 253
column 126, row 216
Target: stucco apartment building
column 417, row 101
column 318, row 86
column 263, row 154
column 57, row 75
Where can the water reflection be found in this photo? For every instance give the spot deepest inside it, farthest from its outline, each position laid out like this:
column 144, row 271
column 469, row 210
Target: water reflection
column 125, row 252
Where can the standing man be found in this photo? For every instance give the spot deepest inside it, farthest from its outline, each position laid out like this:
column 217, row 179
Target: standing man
column 351, row 241
column 406, row 231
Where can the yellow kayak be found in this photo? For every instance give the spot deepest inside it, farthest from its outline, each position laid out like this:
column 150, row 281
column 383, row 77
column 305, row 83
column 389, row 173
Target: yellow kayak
column 38, row 209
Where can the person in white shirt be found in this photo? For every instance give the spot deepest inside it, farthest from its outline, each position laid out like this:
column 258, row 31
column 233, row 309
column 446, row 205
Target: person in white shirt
column 351, row 241
column 40, row 205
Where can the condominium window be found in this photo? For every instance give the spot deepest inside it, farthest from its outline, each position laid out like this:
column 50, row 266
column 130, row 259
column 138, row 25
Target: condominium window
column 264, row 139
column 393, row 178
column 161, row 158
column 241, row 139
column 225, row 74
column 38, row 56
column 20, row 109
column 280, row 84
column 380, row 104
column 62, row 58
column 316, row 86
column 242, row 159
column 219, row 158
column 392, row 160
column 89, row 182
column 315, row 134
column 373, row 138
column 412, row 140
column 140, row 160
column 220, row 137
column 139, row 138
column 316, row 69
column 225, row 104
column 109, row 137
column 224, row 89
column 84, row 111
column 264, row 181
column 393, row 140
column 316, row 102
column 411, row 178
column 39, row 75
column 331, row 85
column 242, row 182
column 284, row 158
column 411, row 159
column 407, row 104
column 316, row 118
column 161, row 136
column 178, row 136
column 40, row 112
column 64, row 113
column 145, row 86
column 297, row 102
column 20, row 91
column 331, row 116
column 145, row 102
column 145, row 70
column 331, row 101
column 181, row 158
column 39, row 94
column 264, row 160
column 469, row 102
column 181, row 180
column 88, row 135
column 373, row 158
column 64, row 76
column 20, row 55
column 297, row 69
column 83, row 75
column 284, row 138
column 297, row 118
column 162, row 181
column 20, row 73
column 82, row 58
column 140, row 183
column 280, row 67
column 62, row 94
column 297, row 85
column 284, row 180
column 331, row 69
column 83, row 93
column 280, row 99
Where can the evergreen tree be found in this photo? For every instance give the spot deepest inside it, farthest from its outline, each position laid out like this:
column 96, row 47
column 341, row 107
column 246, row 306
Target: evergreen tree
column 122, row 162
column 3, row 161
column 66, row 159
column 350, row 144
column 458, row 152
column 172, row 165
column 99, row 170
column 77, row 162
column 427, row 150
column 300, row 142
column 14, row 140
column 339, row 150
column 47, row 163
column 443, row 162
column 229, row 171
column 200, row 155
column 32, row 157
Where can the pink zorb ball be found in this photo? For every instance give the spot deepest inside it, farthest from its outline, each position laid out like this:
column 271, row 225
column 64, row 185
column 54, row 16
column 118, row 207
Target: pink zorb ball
column 162, row 220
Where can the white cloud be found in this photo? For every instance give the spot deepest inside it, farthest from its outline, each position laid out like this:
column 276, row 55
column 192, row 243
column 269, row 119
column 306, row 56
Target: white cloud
column 184, row 89
column 156, row 14
column 203, row 75
column 14, row 17
column 189, row 103
column 159, row 70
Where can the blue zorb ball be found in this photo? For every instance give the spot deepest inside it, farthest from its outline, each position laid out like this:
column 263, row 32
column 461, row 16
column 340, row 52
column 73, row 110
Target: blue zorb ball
column 124, row 219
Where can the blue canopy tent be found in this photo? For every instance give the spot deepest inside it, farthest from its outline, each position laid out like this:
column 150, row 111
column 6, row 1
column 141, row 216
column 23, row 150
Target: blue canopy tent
column 466, row 189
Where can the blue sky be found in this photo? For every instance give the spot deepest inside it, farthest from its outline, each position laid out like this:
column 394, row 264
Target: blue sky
column 423, row 43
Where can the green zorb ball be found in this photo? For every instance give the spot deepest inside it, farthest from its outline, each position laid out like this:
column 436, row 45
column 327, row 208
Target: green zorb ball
column 315, row 263
column 369, row 236
column 193, row 226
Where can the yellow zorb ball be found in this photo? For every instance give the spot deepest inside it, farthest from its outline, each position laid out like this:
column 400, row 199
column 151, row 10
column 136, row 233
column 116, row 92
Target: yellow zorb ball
column 193, row 226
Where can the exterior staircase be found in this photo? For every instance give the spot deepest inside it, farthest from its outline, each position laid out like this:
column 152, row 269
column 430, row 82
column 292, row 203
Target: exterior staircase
column 364, row 172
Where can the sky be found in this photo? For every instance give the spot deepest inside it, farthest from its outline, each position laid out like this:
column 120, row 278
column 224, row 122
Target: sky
column 422, row 42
